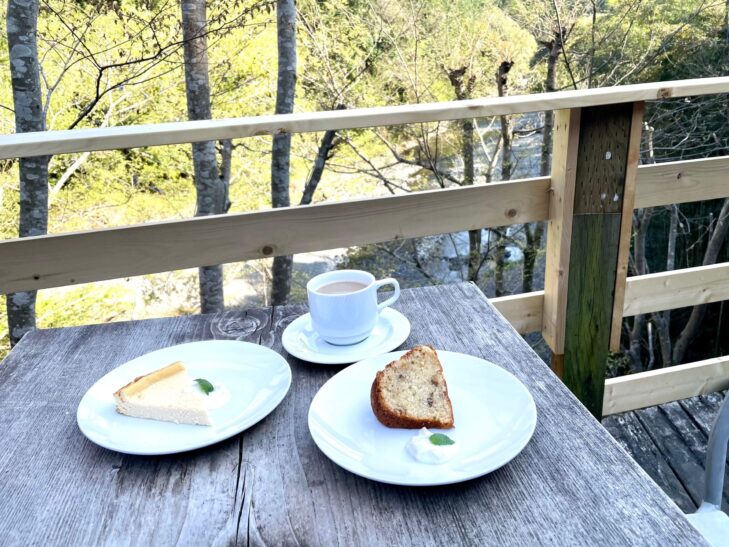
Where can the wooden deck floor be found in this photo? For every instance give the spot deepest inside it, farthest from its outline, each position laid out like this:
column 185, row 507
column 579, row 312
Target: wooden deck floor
column 669, row 443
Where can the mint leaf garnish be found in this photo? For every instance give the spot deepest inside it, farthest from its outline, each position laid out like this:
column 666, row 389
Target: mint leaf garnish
column 439, row 439
column 206, row 386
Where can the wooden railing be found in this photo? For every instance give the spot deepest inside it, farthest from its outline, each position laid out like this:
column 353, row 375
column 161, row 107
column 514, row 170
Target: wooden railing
column 588, row 201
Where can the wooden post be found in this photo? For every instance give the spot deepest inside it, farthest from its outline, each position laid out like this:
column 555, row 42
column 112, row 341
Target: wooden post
column 593, row 176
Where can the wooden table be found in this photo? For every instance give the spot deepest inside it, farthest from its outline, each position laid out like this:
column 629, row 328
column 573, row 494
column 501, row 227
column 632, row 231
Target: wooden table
column 572, row 484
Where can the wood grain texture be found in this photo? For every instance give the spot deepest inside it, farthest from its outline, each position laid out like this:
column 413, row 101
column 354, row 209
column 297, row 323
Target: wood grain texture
column 682, row 182
column 602, row 171
column 572, row 484
column 626, row 224
column 676, row 289
column 565, row 146
column 523, row 311
column 664, row 385
column 62, row 142
column 67, row 259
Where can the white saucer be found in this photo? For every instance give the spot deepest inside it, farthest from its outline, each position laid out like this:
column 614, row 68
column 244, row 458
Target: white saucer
column 494, row 413
column 302, row 341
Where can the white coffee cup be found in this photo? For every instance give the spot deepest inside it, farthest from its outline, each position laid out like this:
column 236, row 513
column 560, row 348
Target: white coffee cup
column 344, row 318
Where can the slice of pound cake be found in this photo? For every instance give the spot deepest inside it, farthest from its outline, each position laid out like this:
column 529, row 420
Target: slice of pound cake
column 411, row 392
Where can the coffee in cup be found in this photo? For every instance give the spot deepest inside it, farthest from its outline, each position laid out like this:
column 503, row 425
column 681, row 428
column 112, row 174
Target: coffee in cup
column 343, row 304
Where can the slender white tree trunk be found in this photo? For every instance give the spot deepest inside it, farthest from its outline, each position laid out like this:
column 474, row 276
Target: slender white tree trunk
column 22, row 21
column 281, row 150
column 211, row 188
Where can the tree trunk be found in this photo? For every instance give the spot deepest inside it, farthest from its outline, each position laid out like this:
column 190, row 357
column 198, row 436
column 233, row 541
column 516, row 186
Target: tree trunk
column 726, row 59
column 226, row 162
column 326, row 146
column 716, row 242
column 474, row 236
column 22, row 20
column 641, row 221
column 500, row 255
column 211, row 192
column 662, row 319
column 535, row 232
column 463, row 88
column 550, row 85
column 507, row 133
column 281, row 150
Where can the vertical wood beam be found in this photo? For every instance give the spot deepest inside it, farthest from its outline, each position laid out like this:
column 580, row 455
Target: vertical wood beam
column 565, row 145
column 626, row 224
column 595, row 153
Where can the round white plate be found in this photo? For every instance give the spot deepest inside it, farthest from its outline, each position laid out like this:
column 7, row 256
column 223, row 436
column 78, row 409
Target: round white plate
column 494, row 414
column 250, row 381
column 302, row 341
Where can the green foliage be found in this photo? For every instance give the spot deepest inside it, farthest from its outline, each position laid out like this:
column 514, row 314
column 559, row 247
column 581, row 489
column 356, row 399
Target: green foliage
column 120, row 63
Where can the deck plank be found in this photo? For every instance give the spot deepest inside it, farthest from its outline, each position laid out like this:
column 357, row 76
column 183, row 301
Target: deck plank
column 631, row 434
column 703, row 409
column 669, row 442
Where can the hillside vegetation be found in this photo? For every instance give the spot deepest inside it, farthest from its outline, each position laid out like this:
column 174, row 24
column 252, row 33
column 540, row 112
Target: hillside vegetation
column 109, row 63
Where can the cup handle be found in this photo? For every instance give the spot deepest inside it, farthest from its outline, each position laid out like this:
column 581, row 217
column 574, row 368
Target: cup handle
column 390, row 301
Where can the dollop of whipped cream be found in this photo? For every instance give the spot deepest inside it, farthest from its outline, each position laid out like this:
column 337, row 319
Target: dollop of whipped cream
column 218, row 397
column 422, row 449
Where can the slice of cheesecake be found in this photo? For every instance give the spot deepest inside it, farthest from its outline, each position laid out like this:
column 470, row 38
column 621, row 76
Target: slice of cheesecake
column 167, row 394
column 411, row 392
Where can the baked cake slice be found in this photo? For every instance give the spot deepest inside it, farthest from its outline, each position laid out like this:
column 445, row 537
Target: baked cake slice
column 167, row 394
column 412, row 393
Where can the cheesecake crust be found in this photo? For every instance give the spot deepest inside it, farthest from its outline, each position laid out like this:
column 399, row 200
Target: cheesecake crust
column 140, row 383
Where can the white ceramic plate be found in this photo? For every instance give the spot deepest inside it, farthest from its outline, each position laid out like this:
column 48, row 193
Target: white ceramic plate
column 302, row 341
column 250, row 381
column 494, row 414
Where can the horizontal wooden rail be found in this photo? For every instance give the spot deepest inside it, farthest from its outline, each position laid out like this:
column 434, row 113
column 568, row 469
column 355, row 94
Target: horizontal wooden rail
column 57, row 260
column 682, row 182
column 82, row 140
column 676, row 289
column 664, row 385
column 68, row 259
column 644, row 294
column 523, row 311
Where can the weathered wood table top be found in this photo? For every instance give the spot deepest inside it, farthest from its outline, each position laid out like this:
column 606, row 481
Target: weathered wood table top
column 572, row 484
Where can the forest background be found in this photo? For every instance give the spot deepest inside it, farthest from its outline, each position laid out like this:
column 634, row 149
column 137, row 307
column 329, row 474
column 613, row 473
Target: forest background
column 110, row 63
